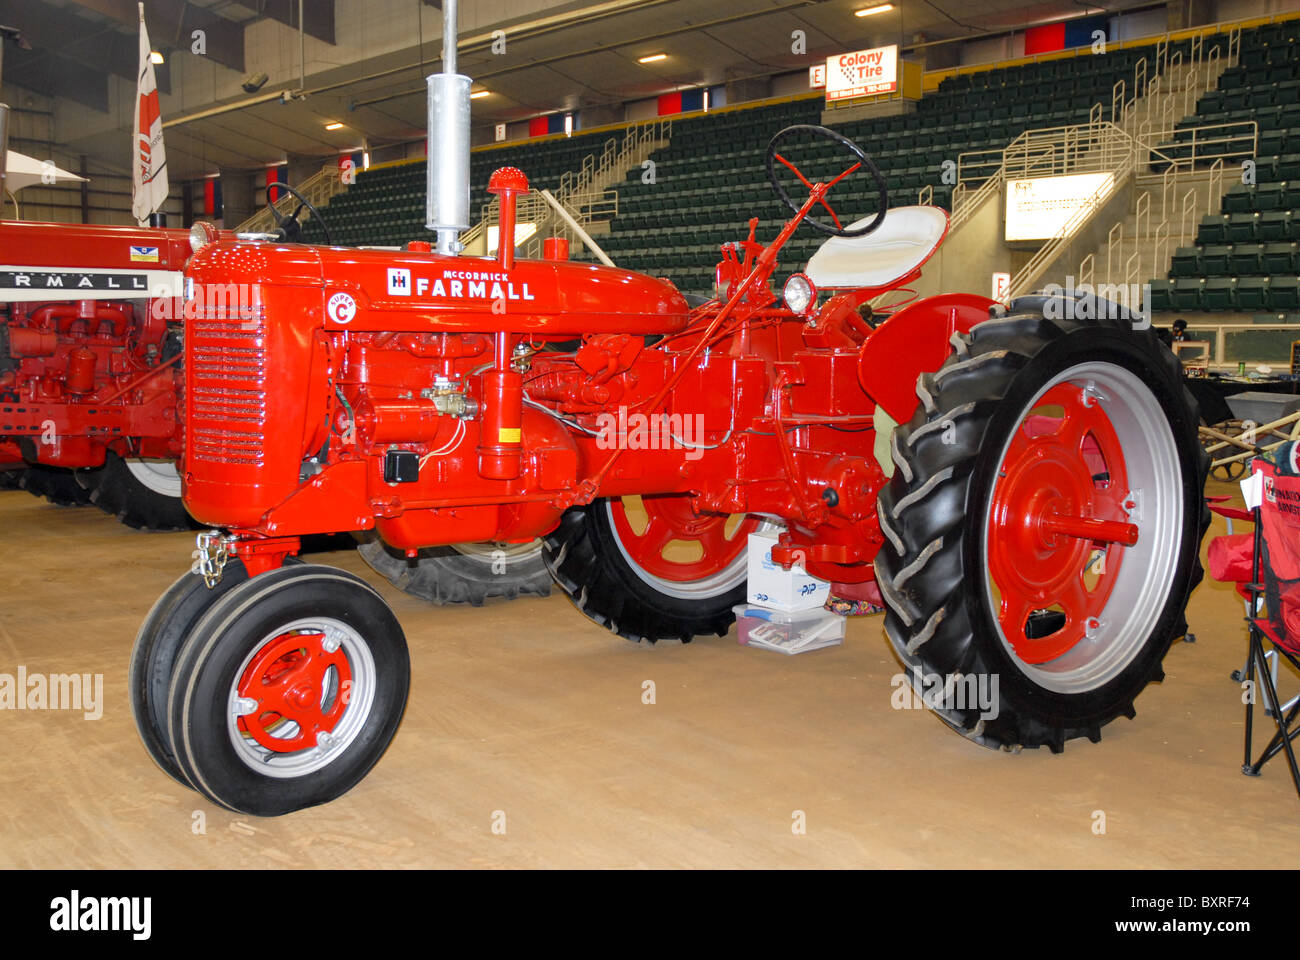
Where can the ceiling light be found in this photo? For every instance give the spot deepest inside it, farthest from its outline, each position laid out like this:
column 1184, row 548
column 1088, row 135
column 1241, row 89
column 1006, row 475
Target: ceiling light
column 870, row 11
column 333, row 125
column 155, row 56
column 653, row 58
column 479, row 94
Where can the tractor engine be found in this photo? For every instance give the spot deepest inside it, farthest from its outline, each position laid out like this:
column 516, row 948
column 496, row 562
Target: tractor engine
column 428, row 397
column 77, row 377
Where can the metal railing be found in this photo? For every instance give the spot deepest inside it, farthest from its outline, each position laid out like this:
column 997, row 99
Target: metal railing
column 1251, row 343
column 319, row 188
column 584, row 193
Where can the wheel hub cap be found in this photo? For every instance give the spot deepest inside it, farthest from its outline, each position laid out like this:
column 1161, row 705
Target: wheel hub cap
column 1059, row 523
column 300, row 687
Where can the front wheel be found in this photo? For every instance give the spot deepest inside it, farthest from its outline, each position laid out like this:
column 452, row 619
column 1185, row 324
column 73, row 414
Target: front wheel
column 1043, row 527
column 153, row 657
column 288, row 690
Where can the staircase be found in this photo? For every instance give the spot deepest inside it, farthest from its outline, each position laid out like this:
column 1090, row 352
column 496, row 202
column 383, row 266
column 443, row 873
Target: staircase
column 1163, row 179
column 584, row 195
column 1178, row 178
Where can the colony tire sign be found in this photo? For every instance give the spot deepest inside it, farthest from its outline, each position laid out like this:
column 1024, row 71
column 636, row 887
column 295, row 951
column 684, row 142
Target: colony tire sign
column 863, row 73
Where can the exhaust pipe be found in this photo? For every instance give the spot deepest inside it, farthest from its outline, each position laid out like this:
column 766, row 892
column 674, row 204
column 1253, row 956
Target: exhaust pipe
column 4, row 148
column 447, row 197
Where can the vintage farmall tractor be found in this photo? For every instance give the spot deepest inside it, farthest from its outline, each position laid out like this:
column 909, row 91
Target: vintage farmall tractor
column 90, row 372
column 1034, row 518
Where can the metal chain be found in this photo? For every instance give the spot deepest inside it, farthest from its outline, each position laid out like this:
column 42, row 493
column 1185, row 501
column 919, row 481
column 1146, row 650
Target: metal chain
column 211, row 556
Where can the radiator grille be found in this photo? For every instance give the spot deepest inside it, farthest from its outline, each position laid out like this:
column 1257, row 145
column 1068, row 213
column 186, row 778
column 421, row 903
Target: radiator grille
column 226, row 396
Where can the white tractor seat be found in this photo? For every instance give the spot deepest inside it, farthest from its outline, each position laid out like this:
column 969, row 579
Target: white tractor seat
column 901, row 244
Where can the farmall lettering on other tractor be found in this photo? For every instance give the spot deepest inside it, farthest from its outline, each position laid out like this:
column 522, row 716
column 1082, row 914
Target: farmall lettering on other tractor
column 1037, row 518
column 90, row 372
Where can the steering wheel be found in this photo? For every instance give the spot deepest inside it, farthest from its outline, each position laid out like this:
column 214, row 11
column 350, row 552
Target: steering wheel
column 862, row 161
column 289, row 225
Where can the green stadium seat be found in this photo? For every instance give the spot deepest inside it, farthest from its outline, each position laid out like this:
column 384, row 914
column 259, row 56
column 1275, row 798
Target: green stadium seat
column 1219, row 293
column 1279, row 258
column 1245, row 259
column 1186, row 262
column 1162, row 294
column 1241, row 227
column 1284, row 293
column 1239, row 199
column 1187, row 293
column 1274, row 225
column 1252, row 293
column 1213, row 228
column 1214, row 260
column 1270, row 196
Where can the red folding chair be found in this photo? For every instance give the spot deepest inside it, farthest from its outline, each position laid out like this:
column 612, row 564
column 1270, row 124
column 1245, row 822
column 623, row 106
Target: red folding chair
column 1272, row 596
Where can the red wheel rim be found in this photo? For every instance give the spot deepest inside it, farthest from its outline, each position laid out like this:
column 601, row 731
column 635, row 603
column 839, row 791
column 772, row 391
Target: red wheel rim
column 1058, row 524
column 294, row 678
column 671, row 526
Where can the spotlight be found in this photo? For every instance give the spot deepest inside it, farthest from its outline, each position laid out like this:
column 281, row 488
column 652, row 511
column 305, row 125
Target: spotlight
column 254, row 82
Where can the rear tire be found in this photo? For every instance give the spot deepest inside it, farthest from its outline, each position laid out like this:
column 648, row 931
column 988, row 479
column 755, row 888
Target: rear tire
column 56, row 484
column 288, row 690
column 144, row 494
column 622, row 580
column 465, row 573
column 1008, row 442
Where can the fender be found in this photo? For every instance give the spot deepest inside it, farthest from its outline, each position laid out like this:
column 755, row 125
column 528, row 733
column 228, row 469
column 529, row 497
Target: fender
column 915, row 340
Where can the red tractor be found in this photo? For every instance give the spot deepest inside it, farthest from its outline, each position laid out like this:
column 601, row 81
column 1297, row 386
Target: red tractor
column 90, row 374
column 1023, row 486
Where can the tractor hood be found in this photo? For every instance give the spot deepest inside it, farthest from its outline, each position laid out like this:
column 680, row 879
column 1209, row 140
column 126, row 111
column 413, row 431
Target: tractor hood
column 415, row 290
column 64, row 261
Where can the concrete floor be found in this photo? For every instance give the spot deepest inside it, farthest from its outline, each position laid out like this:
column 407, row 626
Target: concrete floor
column 528, row 709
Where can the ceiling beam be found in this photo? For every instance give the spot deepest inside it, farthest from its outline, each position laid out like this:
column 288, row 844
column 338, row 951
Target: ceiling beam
column 173, row 22
column 318, row 16
column 53, row 76
column 63, row 43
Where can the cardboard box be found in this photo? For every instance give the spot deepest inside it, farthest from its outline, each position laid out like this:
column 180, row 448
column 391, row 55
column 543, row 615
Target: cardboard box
column 770, row 586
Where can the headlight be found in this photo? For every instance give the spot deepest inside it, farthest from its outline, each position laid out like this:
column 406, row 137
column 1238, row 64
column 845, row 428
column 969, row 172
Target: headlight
column 799, row 294
column 201, row 234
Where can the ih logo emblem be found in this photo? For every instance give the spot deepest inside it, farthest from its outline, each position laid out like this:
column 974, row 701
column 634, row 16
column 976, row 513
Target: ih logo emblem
column 399, row 282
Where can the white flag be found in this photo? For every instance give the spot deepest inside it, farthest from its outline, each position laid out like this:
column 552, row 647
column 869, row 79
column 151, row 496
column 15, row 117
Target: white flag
column 148, row 160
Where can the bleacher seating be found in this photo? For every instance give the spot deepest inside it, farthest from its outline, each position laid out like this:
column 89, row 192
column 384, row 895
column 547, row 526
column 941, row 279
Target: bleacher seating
column 1245, row 257
column 710, row 179
column 386, row 204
